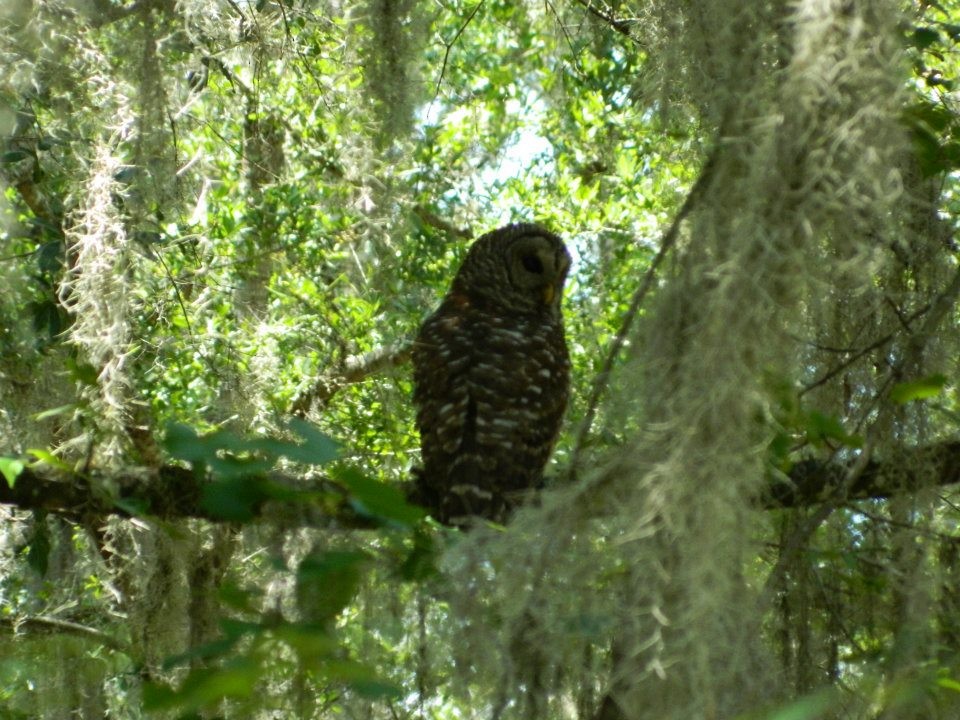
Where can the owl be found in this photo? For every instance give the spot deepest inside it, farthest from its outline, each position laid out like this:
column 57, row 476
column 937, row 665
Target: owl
column 492, row 377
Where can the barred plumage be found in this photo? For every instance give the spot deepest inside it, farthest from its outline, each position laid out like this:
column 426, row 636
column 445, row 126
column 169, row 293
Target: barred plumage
column 491, row 375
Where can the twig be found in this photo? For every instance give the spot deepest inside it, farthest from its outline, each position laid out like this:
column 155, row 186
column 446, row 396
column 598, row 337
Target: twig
column 833, row 372
column 449, row 47
column 621, row 26
column 666, row 244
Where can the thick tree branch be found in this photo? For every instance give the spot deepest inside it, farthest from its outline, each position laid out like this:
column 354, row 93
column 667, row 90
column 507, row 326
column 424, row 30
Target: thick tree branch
column 912, row 469
column 172, row 492
column 167, row 492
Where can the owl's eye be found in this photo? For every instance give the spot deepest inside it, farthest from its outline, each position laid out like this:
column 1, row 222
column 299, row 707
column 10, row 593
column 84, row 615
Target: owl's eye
column 532, row 264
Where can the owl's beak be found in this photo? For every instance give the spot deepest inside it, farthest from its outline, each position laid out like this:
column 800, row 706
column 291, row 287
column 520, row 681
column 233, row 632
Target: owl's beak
column 549, row 291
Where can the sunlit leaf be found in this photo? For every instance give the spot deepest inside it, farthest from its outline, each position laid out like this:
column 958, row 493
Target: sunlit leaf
column 55, row 412
column 48, row 458
column 921, row 389
column 949, row 684
column 11, row 468
column 821, row 427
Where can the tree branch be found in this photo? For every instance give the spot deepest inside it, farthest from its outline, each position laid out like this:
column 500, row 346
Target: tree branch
column 618, row 24
column 911, row 469
column 46, row 623
column 427, row 217
column 355, row 369
column 449, row 46
column 172, row 492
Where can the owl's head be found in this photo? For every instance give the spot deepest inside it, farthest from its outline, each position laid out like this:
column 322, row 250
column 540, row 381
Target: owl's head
column 518, row 268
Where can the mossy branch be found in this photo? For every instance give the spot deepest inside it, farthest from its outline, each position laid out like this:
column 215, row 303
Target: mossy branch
column 174, row 492
column 356, row 369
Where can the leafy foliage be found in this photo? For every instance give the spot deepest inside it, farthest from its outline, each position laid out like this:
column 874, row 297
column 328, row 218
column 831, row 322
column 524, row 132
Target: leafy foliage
column 212, row 210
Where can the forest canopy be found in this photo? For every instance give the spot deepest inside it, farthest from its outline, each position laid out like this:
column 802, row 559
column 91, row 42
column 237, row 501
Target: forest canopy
column 223, row 221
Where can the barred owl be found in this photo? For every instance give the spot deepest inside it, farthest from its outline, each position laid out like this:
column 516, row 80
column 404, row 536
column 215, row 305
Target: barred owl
column 491, row 377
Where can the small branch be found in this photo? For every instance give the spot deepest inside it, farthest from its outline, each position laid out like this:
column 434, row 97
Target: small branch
column 934, row 312
column 618, row 24
column 45, row 623
column 435, row 221
column 356, row 369
column 449, row 47
column 833, row 372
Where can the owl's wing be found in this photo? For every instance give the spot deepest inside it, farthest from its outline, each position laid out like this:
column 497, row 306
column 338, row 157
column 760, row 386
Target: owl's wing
column 442, row 357
column 490, row 392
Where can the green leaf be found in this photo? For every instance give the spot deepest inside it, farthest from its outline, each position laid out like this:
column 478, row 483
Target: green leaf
column 226, row 454
column 48, row 458
column 205, row 687
column 820, row 427
column 362, row 679
column 952, row 30
column 929, row 116
column 238, row 598
column 12, row 156
column 921, row 389
column 949, row 684
column 811, row 707
column 48, row 317
column 132, row 506
column 182, row 442
column 317, row 448
column 48, row 141
column 421, row 562
column 312, row 642
column 84, row 373
column 234, row 499
column 206, row 652
column 39, row 546
column 11, row 469
column 55, row 412
column 924, row 37
column 376, row 499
